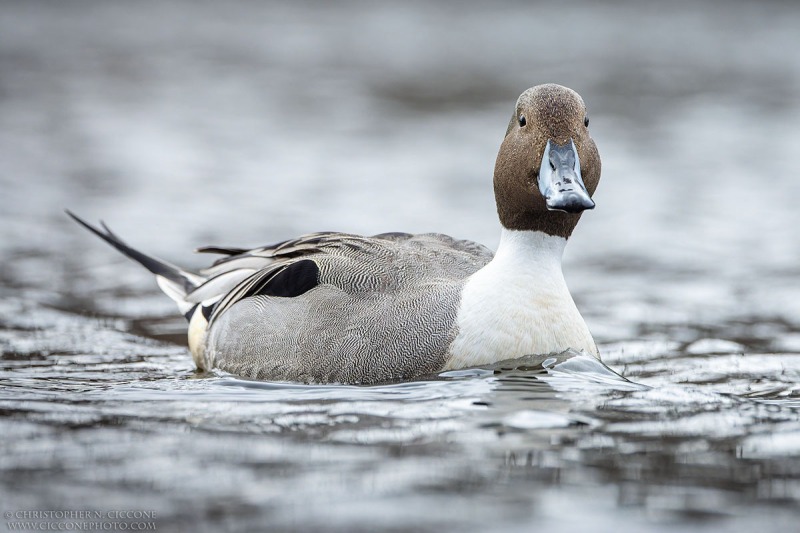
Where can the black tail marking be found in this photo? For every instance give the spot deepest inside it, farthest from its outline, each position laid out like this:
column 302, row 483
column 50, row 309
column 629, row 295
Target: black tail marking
column 157, row 267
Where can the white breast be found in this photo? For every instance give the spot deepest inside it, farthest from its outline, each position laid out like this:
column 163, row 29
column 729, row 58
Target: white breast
column 518, row 304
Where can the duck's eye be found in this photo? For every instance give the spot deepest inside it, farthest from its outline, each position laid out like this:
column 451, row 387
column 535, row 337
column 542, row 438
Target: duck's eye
column 586, row 121
column 522, row 121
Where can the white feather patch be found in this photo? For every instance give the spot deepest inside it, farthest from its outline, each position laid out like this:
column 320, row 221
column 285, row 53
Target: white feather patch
column 252, row 262
column 518, row 304
column 197, row 336
column 218, row 285
column 175, row 292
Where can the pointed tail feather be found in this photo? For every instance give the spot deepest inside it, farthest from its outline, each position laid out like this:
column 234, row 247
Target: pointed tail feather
column 174, row 281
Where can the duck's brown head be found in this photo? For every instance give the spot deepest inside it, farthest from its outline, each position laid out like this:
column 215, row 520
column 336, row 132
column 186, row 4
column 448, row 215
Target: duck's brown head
column 548, row 166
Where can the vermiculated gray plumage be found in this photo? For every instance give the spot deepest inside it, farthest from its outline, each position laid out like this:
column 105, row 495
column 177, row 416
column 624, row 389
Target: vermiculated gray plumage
column 383, row 308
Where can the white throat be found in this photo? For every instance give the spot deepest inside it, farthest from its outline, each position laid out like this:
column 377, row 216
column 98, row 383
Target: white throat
column 518, row 304
column 526, row 252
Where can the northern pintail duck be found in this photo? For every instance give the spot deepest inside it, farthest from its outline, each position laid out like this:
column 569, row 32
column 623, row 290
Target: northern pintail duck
column 336, row 307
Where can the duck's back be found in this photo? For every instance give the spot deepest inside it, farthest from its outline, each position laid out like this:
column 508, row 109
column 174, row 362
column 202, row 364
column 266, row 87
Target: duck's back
column 343, row 308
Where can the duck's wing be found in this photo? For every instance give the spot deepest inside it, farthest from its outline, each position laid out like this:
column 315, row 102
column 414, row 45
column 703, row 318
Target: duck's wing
column 352, row 263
